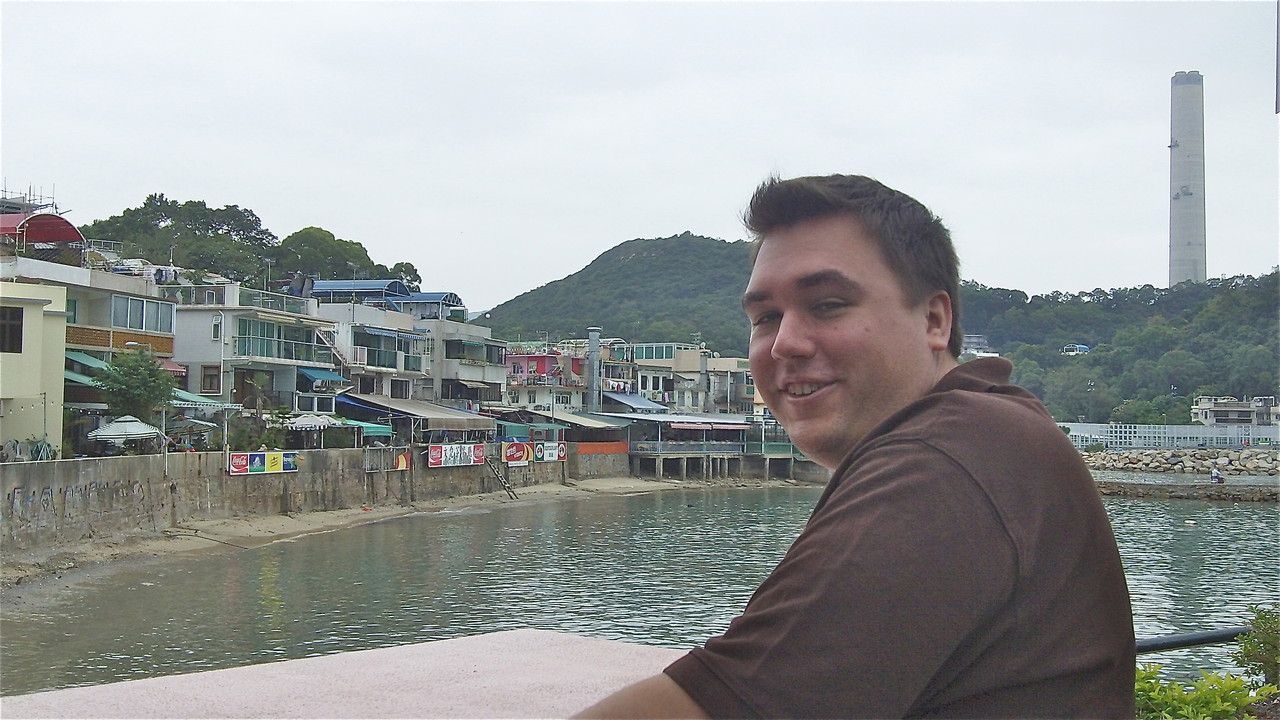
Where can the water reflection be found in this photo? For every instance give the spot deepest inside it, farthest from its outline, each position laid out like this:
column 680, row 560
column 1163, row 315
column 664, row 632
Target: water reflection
column 667, row 569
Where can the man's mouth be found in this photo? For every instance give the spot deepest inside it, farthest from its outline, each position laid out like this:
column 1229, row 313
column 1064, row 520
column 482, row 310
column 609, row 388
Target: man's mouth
column 802, row 389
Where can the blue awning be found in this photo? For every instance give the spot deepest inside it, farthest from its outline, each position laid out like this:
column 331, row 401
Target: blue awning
column 322, row 374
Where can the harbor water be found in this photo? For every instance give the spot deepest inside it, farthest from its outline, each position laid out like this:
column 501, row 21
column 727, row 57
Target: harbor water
column 664, row 568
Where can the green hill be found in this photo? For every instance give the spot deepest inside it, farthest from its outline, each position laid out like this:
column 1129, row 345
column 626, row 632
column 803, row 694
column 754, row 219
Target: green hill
column 660, row 290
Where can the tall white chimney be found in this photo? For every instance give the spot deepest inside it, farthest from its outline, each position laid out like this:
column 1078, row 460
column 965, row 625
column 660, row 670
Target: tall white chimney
column 1186, row 179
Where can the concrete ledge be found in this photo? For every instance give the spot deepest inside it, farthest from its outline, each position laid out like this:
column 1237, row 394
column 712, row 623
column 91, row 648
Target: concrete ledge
column 512, row 674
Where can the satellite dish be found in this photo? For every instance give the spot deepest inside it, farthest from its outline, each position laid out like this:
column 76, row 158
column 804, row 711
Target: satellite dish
column 715, row 354
column 702, row 346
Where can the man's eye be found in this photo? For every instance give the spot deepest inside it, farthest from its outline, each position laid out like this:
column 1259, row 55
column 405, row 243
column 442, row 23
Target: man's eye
column 763, row 319
column 829, row 306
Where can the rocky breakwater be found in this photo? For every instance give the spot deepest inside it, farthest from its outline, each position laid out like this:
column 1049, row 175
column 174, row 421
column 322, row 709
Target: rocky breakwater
column 1187, row 462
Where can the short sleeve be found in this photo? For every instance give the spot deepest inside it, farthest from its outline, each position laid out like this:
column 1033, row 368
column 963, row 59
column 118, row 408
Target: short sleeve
column 891, row 587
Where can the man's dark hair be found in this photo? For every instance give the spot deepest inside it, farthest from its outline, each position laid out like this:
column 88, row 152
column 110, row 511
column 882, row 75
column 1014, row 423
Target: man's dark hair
column 915, row 244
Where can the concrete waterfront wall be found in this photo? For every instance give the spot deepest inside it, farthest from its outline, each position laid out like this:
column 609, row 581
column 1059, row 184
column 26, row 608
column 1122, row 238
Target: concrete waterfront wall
column 1232, row 492
column 62, row 501
column 1190, row 462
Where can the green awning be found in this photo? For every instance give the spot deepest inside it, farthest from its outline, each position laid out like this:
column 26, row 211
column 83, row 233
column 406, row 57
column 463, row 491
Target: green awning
column 80, row 378
column 369, row 429
column 182, row 398
column 87, row 359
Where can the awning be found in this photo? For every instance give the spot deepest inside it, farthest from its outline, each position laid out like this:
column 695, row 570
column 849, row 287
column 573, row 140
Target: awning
column 636, row 402
column 182, row 398
column 585, row 420
column 438, row 417
column 80, row 378
column 87, row 359
column 369, row 429
column 322, row 374
column 172, row 367
column 548, row 426
column 474, row 383
column 377, row 331
column 690, row 426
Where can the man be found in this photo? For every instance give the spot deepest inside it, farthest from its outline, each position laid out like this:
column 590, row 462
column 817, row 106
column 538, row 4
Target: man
column 959, row 562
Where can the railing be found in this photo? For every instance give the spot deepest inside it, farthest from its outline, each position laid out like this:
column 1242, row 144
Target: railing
column 670, row 447
column 1186, row 640
column 271, row 301
column 770, row 448
column 413, row 363
column 249, row 346
column 380, row 459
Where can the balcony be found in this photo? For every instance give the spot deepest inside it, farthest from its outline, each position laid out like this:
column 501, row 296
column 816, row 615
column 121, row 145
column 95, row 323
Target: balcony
column 270, row 348
column 413, row 363
column 271, row 301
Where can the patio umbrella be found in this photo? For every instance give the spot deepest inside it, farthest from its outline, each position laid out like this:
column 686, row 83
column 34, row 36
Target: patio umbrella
column 312, row 422
column 125, row 427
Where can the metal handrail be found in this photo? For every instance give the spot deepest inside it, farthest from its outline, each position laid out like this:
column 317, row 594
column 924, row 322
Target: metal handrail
column 1185, row 640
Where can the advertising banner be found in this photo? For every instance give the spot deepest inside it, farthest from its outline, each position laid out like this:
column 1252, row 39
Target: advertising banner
column 243, row 463
column 551, row 452
column 517, row 453
column 454, row 455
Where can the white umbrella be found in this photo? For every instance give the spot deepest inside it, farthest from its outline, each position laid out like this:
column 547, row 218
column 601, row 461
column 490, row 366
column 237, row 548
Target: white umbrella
column 311, row 422
column 125, row 427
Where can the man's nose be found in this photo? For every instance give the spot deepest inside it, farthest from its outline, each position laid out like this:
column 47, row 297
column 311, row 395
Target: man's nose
column 793, row 339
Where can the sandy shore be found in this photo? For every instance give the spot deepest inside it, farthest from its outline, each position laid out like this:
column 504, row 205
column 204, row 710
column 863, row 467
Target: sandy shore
column 66, row 563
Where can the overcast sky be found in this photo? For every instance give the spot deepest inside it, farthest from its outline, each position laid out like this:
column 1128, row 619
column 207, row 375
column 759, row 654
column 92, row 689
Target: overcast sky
column 502, row 146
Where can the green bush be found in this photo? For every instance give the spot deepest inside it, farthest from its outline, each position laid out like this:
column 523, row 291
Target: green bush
column 1212, row 697
column 1095, row 447
column 1259, row 649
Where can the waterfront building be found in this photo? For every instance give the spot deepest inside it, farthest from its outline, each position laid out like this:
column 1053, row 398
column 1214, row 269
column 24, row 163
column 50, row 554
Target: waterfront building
column 464, row 365
column 32, row 342
column 544, row 378
column 1226, row 410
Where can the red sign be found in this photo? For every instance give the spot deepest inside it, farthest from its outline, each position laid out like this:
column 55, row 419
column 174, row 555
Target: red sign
column 517, row 452
column 239, row 463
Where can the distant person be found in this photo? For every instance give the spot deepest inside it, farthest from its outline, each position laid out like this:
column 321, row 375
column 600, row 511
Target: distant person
column 959, row 562
column 1216, row 476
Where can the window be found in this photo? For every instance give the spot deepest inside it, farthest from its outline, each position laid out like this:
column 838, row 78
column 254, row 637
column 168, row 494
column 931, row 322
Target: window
column 560, row 398
column 11, row 329
column 644, row 382
column 217, row 327
column 73, row 308
column 693, row 398
column 513, row 397
column 210, row 297
column 400, row 389
column 210, row 380
column 680, row 398
column 533, row 397
column 140, row 314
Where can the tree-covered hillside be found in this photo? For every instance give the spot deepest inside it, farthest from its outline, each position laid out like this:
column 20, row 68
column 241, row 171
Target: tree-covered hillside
column 661, row 290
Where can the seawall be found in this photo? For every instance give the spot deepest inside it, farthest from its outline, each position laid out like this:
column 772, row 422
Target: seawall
column 1248, row 461
column 65, row 501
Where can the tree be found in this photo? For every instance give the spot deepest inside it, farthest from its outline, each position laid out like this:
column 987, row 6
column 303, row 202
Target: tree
column 136, row 384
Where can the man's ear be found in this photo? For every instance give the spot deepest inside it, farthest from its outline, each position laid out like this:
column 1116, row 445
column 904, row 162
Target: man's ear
column 938, row 316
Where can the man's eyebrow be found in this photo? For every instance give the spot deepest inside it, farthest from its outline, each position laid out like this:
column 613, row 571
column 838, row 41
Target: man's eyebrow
column 819, row 279
column 829, row 277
